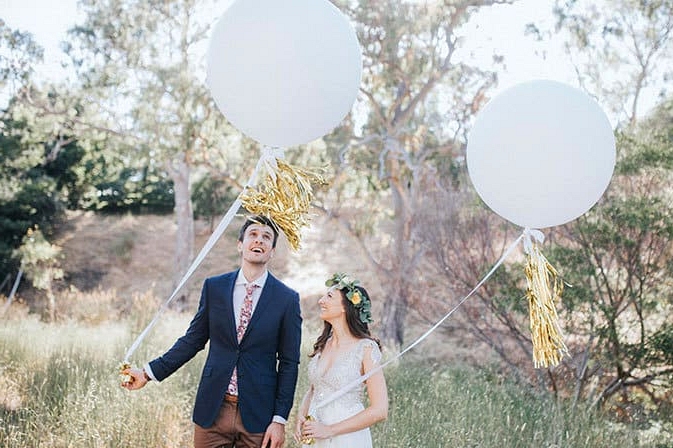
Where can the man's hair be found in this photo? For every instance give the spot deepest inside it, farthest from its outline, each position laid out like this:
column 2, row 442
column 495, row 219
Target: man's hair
column 262, row 220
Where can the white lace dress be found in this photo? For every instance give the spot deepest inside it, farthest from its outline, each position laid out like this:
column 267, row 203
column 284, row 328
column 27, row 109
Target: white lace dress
column 345, row 370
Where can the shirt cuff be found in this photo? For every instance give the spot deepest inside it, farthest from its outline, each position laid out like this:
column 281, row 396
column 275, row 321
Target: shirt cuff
column 279, row 419
column 148, row 371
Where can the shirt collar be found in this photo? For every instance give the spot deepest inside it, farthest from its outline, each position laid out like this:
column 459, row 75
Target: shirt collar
column 259, row 281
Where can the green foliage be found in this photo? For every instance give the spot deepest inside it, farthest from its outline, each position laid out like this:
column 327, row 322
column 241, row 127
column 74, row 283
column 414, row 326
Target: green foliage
column 617, row 259
column 660, row 346
column 509, row 296
column 39, row 259
column 621, row 49
column 648, row 148
column 140, row 66
column 40, row 179
column 211, row 197
column 19, row 54
column 136, row 191
column 28, row 197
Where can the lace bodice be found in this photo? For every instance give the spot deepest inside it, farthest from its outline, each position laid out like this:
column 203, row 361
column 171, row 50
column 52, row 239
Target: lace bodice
column 345, row 369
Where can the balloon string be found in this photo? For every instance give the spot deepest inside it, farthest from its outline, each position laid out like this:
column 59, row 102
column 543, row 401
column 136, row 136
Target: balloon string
column 366, row 376
column 268, row 159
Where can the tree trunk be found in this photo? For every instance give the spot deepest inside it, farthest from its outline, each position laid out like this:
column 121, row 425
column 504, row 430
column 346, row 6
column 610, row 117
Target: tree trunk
column 398, row 272
column 52, row 303
column 184, row 245
column 393, row 320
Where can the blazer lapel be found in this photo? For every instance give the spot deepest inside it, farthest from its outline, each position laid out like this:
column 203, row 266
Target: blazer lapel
column 229, row 306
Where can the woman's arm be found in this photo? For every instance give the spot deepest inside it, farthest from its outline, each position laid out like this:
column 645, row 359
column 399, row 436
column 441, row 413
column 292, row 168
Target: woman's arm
column 374, row 413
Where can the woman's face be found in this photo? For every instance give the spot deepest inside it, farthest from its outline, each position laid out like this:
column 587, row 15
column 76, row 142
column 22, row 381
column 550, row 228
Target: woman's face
column 331, row 305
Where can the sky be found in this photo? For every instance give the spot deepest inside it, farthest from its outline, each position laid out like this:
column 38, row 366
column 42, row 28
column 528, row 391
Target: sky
column 48, row 21
column 499, row 27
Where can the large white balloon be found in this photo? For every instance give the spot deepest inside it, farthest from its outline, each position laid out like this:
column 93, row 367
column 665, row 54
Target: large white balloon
column 541, row 153
column 284, row 72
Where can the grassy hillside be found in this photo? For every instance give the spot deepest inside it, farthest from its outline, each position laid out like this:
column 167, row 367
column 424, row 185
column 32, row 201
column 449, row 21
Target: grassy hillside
column 135, row 254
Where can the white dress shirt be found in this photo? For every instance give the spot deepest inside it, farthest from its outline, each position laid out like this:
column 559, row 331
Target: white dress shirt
column 239, row 293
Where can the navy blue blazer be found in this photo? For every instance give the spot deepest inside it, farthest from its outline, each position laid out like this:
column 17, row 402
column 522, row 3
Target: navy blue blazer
column 267, row 359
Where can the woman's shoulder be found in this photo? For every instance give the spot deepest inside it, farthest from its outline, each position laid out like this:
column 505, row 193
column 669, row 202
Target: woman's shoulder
column 367, row 345
column 367, row 342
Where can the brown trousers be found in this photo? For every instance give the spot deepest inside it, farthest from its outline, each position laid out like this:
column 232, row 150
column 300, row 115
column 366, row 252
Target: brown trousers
column 227, row 431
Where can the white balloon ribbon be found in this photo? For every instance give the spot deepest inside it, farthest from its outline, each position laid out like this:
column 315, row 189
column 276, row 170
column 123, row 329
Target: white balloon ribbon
column 528, row 236
column 366, row 376
column 268, row 160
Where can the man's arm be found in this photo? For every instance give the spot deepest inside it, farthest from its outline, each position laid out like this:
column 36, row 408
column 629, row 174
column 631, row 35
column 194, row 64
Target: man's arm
column 289, row 352
column 187, row 346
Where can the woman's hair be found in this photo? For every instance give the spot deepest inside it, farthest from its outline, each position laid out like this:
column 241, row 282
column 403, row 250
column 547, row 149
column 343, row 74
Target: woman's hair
column 357, row 328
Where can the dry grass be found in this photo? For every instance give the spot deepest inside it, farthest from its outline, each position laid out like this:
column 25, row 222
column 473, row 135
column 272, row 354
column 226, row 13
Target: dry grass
column 60, row 388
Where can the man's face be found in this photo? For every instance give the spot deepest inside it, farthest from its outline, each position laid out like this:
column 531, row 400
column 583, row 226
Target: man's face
column 257, row 245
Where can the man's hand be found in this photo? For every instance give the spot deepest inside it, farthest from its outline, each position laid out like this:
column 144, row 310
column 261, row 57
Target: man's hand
column 274, row 437
column 138, row 379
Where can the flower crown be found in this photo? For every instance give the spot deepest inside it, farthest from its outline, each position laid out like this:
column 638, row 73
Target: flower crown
column 360, row 302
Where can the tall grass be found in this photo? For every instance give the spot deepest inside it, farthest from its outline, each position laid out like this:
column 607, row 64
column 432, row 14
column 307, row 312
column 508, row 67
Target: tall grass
column 432, row 406
column 59, row 387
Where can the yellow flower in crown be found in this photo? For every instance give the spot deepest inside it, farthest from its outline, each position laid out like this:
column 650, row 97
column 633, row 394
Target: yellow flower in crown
column 350, row 287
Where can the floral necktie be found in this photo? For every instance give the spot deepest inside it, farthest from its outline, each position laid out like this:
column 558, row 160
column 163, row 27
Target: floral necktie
column 243, row 321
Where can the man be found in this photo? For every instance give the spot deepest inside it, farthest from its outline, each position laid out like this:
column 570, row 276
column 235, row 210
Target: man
column 253, row 322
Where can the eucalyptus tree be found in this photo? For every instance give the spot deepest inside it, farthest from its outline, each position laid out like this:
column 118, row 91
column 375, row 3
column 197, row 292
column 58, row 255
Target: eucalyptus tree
column 27, row 194
column 615, row 262
column 622, row 50
column 39, row 260
column 406, row 129
column 618, row 256
column 616, row 259
column 141, row 64
column 465, row 239
column 19, row 55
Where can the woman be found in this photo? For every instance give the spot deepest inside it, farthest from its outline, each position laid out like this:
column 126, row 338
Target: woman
column 332, row 413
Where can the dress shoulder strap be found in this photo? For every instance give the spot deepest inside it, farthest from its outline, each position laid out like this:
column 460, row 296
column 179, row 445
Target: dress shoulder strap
column 368, row 343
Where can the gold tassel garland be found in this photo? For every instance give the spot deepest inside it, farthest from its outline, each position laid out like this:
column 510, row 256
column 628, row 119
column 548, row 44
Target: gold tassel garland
column 544, row 289
column 285, row 197
column 123, row 376
column 306, row 440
